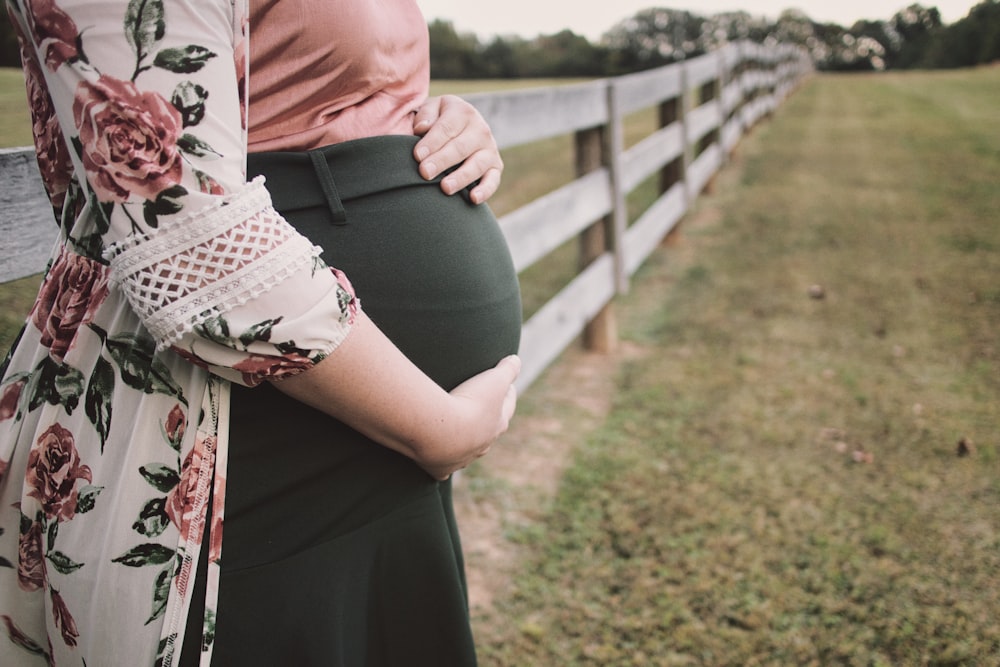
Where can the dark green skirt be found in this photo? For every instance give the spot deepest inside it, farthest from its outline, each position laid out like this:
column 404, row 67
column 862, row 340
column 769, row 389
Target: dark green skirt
column 338, row 551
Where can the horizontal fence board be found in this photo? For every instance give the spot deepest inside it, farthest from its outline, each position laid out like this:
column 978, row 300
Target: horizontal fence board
column 27, row 224
column 700, row 171
column 702, row 120
column 730, row 134
column 560, row 321
column 522, row 116
column 658, row 149
column 731, row 97
column 731, row 54
column 645, row 89
column 646, row 233
column 702, row 69
column 538, row 228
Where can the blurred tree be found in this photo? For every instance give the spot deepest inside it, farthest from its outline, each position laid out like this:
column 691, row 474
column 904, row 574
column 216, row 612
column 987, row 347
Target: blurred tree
column 655, row 37
column 453, row 56
column 913, row 37
column 974, row 40
column 915, row 28
column 10, row 53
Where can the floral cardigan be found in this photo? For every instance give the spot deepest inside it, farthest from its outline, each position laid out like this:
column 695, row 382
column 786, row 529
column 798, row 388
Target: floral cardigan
column 172, row 277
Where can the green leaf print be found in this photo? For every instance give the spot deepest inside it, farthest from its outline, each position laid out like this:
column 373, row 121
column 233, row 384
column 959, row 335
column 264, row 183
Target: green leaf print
column 208, row 638
column 189, row 99
column 87, row 498
column 216, row 330
column 153, row 519
column 192, row 145
column 259, row 332
column 52, row 534
column 145, row 554
column 139, row 368
column 91, row 246
column 161, row 591
column 161, row 654
column 63, row 563
column 55, row 383
column 160, row 477
column 188, row 60
column 144, row 25
column 97, row 402
column 167, row 202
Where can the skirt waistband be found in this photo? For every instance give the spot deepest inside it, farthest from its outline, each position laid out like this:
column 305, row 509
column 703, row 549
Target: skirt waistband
column 339, row 172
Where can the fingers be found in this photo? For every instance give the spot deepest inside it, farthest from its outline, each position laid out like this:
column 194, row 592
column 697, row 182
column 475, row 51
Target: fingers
column 454, row 133
column 510, row 368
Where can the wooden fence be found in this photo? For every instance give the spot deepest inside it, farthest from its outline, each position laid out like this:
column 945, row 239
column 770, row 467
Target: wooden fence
column 705, row 105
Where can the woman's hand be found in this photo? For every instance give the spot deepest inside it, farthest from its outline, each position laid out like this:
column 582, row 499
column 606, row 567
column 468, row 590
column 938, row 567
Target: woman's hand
column 368, row 384
column 454, row 133
column 484, row 404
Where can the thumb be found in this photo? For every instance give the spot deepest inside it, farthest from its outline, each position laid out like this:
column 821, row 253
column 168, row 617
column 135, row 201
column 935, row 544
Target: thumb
column 511, row 365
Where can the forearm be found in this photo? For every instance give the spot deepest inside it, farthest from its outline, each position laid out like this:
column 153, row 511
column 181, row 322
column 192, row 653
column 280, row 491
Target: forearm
column 370, row 385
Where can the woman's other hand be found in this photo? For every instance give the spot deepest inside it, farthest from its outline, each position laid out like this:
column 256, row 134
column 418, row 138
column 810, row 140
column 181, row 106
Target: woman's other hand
column 454, row 133
column 486, row 403
column 371, row 386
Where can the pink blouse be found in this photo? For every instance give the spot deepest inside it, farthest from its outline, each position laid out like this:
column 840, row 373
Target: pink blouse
column 326, row 72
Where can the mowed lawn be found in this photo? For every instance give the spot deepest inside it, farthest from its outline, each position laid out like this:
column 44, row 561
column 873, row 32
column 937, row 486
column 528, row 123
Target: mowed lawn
column 802, row 464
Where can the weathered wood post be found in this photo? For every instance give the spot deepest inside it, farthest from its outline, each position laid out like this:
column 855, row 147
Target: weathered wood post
column 591, row 150
column 674, row 110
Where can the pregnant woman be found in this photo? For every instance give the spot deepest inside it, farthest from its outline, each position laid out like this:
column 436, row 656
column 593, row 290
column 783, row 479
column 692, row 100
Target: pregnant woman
column 215, row 448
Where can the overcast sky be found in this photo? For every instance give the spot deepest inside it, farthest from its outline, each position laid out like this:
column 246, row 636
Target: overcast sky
column 591, row 18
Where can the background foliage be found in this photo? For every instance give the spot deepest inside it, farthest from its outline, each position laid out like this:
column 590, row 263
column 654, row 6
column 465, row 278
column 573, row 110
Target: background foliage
column 914, row 37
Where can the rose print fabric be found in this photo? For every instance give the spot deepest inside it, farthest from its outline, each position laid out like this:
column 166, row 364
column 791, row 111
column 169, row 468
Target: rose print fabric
column 172, row 278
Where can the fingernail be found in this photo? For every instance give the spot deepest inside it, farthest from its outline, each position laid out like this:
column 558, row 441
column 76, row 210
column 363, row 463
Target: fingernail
column 430, row 169
column 422, row 152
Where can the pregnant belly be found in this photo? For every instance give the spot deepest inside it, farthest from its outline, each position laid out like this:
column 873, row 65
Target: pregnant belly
column 432, row 271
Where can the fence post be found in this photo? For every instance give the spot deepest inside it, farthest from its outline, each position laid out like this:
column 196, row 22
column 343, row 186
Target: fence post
column 601, row 333
column 672, row 111
column 613, row 151
column 712, row 91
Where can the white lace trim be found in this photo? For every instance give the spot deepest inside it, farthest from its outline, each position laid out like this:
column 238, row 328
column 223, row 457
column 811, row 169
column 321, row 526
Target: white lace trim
column 216, row 259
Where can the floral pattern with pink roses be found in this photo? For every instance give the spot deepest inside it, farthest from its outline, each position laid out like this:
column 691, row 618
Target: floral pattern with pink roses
column 129, row 139
column 53, row 471
column 51, row 150
column 53, row 479
column 55, row 33
column 74, row 288
column 173, row 504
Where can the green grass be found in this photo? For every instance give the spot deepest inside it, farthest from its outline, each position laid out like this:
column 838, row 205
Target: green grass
column 779, row 482
column 15, row 122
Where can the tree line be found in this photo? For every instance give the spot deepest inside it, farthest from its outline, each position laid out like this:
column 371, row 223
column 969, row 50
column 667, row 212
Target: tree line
column 915, row 37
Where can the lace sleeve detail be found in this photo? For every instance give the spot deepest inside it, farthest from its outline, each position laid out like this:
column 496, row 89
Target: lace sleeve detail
column 209, row 262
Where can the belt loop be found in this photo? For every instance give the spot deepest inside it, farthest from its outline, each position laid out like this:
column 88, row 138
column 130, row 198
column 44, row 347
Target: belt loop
column 322, row 170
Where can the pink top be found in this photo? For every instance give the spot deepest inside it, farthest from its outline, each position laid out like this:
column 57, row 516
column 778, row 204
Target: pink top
column 331, row 71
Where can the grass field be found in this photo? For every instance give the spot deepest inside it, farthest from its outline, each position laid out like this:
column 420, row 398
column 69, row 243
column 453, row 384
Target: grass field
column 781, row 480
